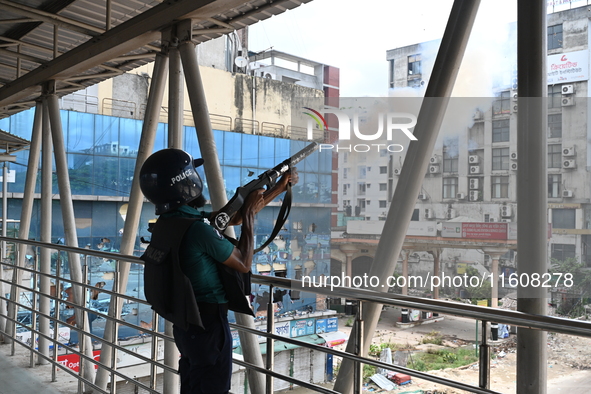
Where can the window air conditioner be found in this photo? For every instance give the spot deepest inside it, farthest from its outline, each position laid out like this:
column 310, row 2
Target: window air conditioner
column 434, row 169
column 569, row 164
column 513, row 156
column 568, row 101
column 473, row 159
column 434, row 160
column 474, row 195
column 474, row 183
column 514, row 166
column 568, row 89
column 567, row 193
column 568, row 152
column 475, row 170
column 451, row 213
column 422, row 196
column 506, row 211
column 397, row 171
column 429, row 213
column 460, row 196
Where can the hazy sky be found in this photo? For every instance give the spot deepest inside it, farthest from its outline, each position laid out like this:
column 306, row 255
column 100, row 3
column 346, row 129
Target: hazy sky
column 354, row 35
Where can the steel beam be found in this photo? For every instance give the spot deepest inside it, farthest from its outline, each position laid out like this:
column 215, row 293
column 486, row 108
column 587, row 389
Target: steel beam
column 532, row 192
column 213, row 173
column 445, row 70
column 67, row 208
column 146, row 146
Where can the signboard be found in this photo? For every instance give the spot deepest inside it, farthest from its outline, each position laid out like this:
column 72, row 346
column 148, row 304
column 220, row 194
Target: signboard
column 321, row 326
column 332, row 324
column 568, row 67
column 11, row 178
column 300, row 328
column 376, row 227
column 484, row 230
column 327, row 325
column 427, row 229
column 72, row 361
column 451, row 229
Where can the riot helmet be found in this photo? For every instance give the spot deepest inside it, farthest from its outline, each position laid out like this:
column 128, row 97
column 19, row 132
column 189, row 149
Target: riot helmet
column 169, row 179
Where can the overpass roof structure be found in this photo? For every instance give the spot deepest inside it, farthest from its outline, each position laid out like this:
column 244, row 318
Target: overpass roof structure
column 78, row 43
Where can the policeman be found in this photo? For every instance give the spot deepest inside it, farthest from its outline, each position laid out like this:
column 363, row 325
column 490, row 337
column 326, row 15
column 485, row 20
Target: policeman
column 193, row 275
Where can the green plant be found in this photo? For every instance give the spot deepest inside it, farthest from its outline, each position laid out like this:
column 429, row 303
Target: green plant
column 349, row 323
column 368, row 370
column 433, row 337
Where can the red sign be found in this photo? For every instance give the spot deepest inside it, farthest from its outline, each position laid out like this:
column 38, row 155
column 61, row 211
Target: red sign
column 484, row 230
column 72, row 361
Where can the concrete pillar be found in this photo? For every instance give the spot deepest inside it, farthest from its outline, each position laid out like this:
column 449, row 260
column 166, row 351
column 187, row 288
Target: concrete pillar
column 532, row 193
column 405, row 254
column 67, row 205
column 495, row 254
column 213, row 173
column 415, row 166
column 436, row 253
column 46, row 214
column 132, row 218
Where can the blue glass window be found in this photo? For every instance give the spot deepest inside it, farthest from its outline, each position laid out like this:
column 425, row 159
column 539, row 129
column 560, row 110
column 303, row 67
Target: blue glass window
column 250, row 151
column 232, row 149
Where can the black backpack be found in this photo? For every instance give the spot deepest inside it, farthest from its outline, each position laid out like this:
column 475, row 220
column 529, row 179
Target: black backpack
column 169, row 290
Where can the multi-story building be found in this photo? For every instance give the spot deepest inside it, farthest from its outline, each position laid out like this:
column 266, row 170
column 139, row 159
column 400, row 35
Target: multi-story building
column 102, row 127
column 473, row 171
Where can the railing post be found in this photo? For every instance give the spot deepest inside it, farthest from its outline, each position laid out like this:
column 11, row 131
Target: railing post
column 358, row 373
column 484, row 360
column 58, row 297
column 270, row 357
column 34, row 289
column 114, row 306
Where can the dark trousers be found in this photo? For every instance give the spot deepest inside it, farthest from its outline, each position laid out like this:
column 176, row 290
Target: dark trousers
column 205, row 365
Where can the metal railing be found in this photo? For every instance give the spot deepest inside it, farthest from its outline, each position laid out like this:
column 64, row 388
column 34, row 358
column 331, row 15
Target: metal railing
column 484, row 314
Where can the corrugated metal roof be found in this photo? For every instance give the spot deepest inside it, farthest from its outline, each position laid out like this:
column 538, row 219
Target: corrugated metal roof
column 68, row 40
column 10, row 143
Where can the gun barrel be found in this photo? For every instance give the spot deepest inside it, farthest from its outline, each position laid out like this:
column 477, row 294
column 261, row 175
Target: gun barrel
column 301, row 155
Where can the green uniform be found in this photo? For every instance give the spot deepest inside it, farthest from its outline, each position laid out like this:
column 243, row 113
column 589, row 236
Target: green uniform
column 201, row 250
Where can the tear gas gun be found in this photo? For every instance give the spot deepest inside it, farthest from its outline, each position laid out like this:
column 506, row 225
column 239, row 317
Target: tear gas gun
column 265, row 180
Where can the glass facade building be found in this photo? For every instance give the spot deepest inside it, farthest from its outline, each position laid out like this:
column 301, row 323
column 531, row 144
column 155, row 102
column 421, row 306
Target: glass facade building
column 101, row 153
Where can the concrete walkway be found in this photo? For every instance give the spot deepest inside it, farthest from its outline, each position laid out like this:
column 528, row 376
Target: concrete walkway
column 15, row 379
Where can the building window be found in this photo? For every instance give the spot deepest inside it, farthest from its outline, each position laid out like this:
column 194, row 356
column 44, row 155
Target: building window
column 383, row 152
column 383, row 187
column 345, row 171
column 555, row 126
column 392, row 80
column 383, row 203
column 345, row 157
column 554, row 156
column 500, row 187
column 500, row 130
column 383, row 169
column 362, row 172
column 563, row 218
column 502, row 103
column 554, row 181
column 450, row 187
column 346, row 187
column 555, row 36
column 450, row 154
column 562, row 252
column 555, row 96
column 361, row 189
column 414, row 65
column 500, row 159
